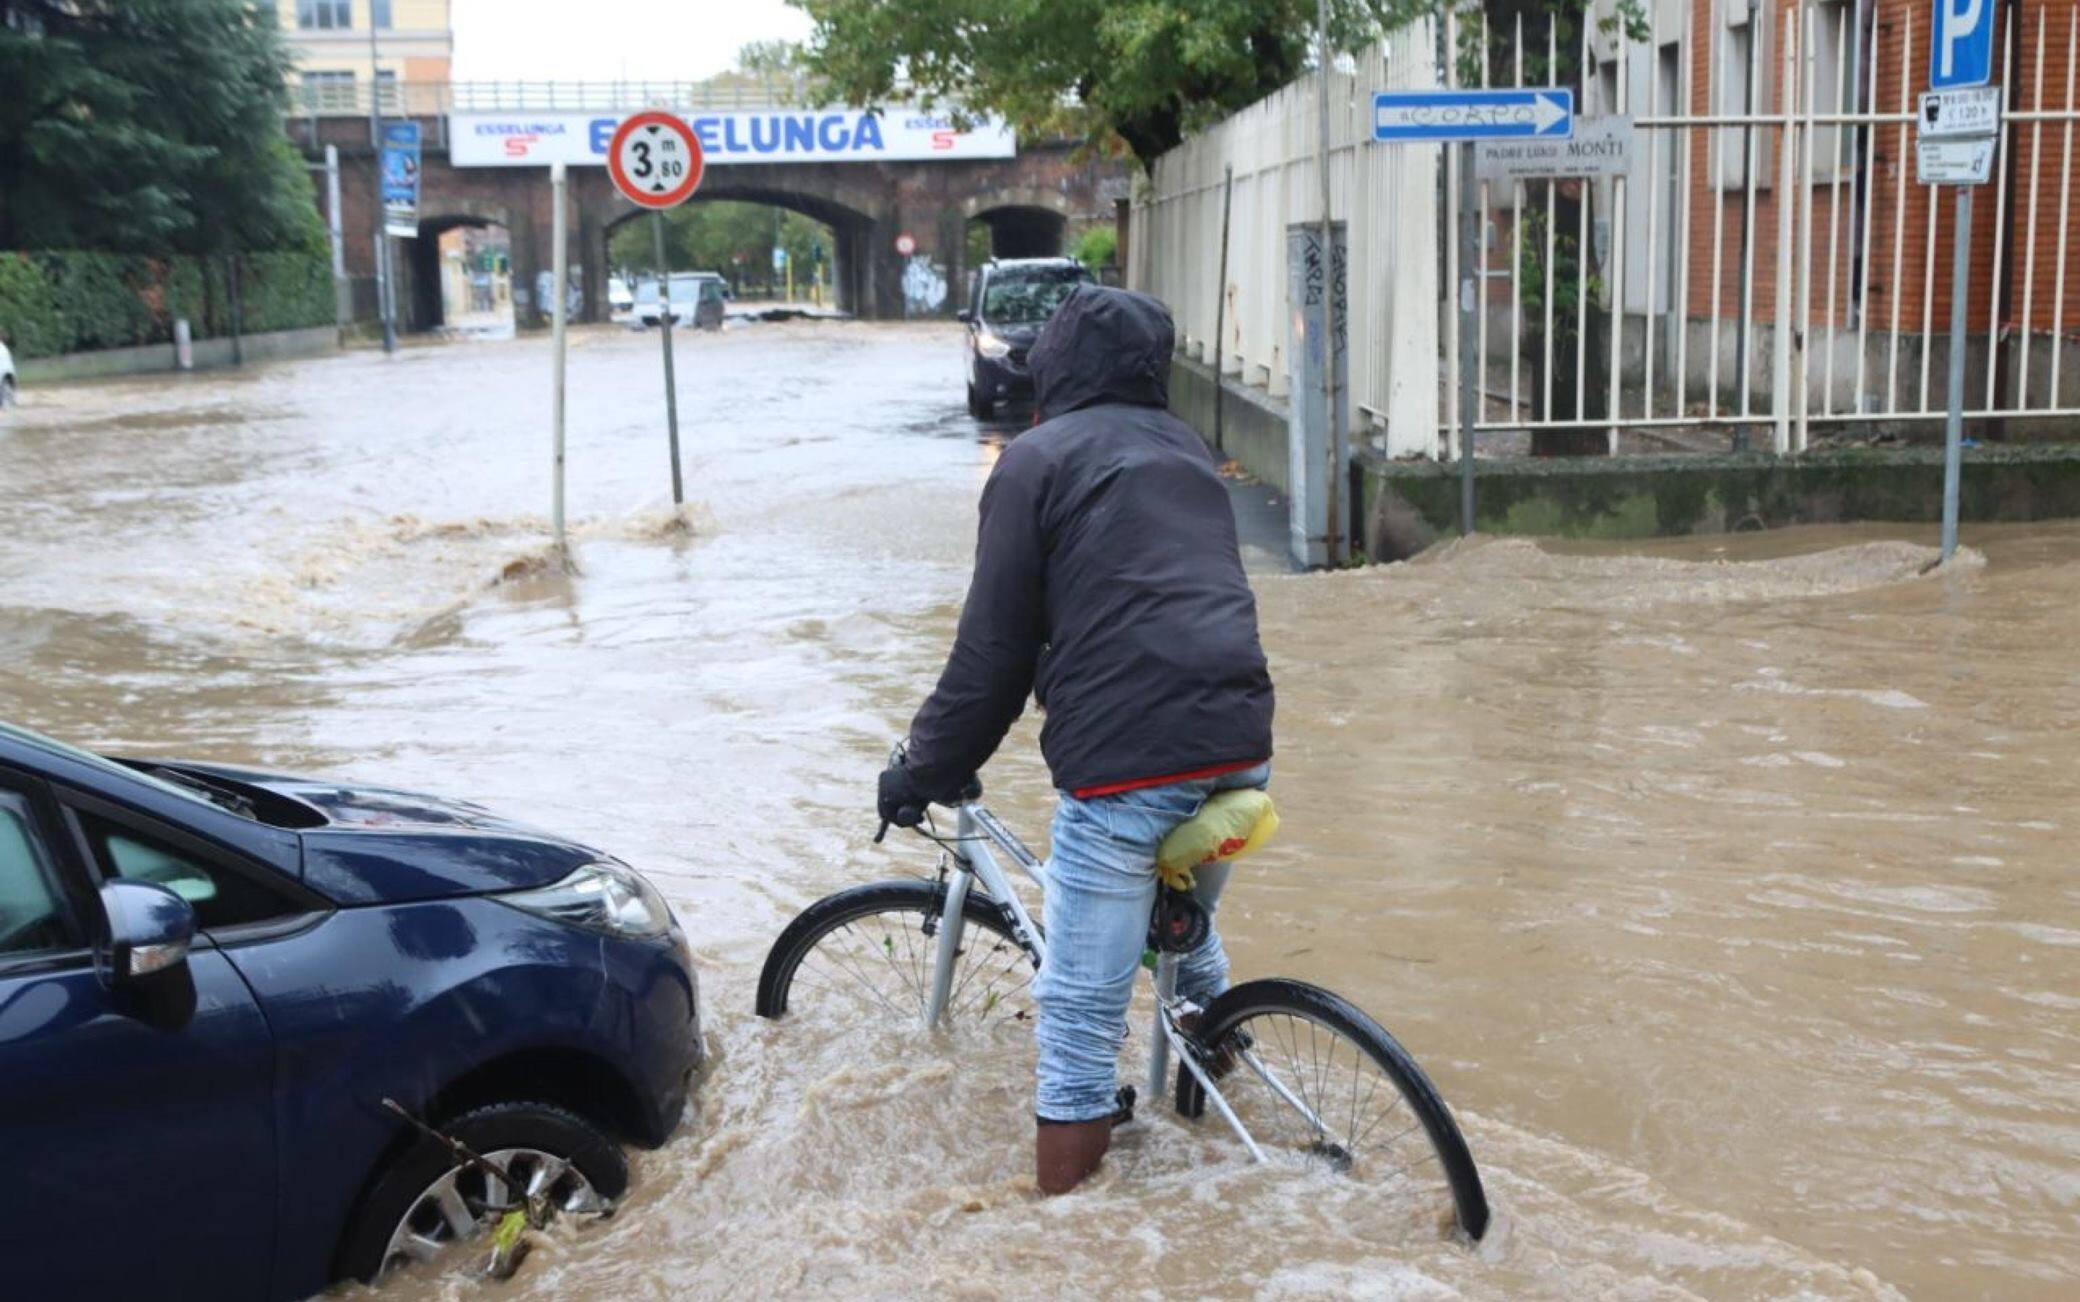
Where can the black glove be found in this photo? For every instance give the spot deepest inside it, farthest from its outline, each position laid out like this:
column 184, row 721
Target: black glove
column 900, row 802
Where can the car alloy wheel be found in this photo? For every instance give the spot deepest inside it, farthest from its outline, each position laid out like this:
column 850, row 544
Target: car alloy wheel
column 465, row 1202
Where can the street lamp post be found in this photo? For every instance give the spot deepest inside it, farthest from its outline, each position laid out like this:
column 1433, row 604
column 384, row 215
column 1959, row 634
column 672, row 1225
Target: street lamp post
column 375, row 145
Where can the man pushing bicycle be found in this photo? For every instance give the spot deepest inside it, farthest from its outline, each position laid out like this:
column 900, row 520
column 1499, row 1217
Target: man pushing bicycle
column 1108, row 585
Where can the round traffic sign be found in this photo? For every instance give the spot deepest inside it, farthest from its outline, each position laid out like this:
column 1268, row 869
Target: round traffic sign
column 655, row 159
column 905, row 245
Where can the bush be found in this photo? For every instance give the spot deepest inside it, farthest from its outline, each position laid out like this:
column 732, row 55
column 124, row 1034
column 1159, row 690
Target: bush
column 62, row 302
column 101, row 299
column 28, row 315
column 1098, row 247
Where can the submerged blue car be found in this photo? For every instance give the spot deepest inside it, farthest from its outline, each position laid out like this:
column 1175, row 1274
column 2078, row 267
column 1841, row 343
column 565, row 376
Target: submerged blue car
column 211, row 980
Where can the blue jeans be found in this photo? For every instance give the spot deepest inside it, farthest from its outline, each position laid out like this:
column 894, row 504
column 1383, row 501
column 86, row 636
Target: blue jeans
column 1101, row 885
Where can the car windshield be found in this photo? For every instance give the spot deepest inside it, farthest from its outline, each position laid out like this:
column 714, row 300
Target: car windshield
column 187, row 791
column 1029, row 295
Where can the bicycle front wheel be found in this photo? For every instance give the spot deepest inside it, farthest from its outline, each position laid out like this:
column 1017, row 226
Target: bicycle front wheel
column 867, row 955
column 1309, row 1074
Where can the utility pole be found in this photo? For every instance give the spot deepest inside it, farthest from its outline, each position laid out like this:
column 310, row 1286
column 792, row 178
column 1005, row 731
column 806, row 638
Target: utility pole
column 375, row 193
column 342, row 307
column 1333, row 542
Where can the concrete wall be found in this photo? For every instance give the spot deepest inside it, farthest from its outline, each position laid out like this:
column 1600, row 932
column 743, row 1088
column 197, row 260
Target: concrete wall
column 1253, row 424
column 1409, row 505
column 1387, row 196
column 160, row 357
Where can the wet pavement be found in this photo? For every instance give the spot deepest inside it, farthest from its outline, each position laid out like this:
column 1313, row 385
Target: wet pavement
column 1724, row 886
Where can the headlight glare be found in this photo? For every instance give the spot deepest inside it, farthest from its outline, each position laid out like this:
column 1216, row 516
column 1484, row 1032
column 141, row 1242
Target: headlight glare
column 991, row 347
column 609, row 897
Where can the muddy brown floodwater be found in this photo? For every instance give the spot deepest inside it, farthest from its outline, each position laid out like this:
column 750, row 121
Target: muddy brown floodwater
column 1725, row 887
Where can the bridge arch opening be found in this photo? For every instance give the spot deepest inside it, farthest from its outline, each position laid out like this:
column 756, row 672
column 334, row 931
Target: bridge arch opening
column 733, row 227
column 1020, row 230
column 460, row 270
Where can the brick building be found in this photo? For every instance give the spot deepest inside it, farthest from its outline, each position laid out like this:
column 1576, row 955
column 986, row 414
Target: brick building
column 1869, row 249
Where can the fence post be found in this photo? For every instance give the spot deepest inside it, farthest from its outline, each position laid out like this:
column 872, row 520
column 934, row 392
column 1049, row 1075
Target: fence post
column 1470, row 361
column 1780, row 351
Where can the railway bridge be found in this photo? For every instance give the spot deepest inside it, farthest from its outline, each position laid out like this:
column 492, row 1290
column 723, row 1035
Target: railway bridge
column 871, row 177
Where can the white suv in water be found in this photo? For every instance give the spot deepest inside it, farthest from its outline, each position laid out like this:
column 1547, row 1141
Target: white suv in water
column 6, row 377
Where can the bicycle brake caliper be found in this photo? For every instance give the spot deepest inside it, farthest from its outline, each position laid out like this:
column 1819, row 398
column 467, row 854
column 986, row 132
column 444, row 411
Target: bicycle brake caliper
column 938, row 905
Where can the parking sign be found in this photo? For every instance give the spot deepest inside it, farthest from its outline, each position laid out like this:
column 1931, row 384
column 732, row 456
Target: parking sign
column 1961, row 53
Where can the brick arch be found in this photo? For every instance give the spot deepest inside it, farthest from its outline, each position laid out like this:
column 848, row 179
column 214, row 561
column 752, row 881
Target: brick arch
column 836, row 206
column 419, row 294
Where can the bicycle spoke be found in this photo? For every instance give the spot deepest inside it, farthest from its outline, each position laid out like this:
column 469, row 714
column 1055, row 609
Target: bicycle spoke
column 865, row 958
column 1286, row 1085
column 857, row 970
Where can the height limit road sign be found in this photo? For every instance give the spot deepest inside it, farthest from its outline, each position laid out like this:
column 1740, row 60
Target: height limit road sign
column 1414, row 115
column 1961, row 51
column 655, row 160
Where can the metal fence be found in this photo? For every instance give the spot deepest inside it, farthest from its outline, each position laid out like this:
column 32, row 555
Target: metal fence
column 1769, row 257
column 1386, row 196
column 349, row 97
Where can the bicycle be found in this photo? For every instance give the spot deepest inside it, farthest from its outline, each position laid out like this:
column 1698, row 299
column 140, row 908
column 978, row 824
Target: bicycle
column 963, row 949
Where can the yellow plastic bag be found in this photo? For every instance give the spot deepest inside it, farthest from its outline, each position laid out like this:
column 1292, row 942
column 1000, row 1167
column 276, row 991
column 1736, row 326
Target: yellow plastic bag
column 1231, row 823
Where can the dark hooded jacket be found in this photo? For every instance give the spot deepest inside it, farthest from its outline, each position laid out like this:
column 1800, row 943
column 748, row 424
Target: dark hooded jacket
column 1107, row 580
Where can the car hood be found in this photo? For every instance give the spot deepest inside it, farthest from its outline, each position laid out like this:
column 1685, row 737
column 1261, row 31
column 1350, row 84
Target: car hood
column 382, row 845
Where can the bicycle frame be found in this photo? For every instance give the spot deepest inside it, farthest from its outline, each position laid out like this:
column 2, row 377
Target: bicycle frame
column 975, row 832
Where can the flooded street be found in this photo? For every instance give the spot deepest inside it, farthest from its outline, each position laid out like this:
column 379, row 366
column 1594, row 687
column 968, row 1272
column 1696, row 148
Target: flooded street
column 1725, row 887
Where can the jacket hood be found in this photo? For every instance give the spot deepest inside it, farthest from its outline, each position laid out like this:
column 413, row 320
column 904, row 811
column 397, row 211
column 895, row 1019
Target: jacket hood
column 1103, row 345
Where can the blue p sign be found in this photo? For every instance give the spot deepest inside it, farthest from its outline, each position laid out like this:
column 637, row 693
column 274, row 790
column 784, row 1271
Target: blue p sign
column 1962, row 52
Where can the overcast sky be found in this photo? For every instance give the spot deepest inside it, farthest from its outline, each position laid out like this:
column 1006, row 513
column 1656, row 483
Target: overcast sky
column 603, row 40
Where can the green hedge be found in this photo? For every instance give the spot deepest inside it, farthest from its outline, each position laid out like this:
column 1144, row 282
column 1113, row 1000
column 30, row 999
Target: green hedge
column 67, row 302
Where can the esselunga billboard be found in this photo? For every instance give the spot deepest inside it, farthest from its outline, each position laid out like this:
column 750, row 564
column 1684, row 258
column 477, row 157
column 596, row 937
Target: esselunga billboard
column 731, row 136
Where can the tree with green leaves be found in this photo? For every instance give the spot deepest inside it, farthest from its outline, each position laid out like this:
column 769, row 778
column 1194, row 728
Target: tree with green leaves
column 727, row 236
column 147, row 126
column 1141, row 73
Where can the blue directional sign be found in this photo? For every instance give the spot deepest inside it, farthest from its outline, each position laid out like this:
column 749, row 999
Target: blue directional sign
column 1406, row 115
column 1961, row 51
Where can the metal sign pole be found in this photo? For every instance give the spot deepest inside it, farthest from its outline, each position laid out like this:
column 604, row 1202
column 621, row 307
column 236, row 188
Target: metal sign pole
column 558, row 312
column 1953, row 428
column 1469, row 330
column 671, row 385
column 655, row 161
column 1956, row 133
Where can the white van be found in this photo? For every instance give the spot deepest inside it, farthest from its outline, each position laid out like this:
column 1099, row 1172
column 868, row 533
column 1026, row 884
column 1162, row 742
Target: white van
column 697, row 300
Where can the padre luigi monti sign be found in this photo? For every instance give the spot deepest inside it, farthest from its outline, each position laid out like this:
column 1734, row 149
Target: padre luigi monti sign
column 1599, row 147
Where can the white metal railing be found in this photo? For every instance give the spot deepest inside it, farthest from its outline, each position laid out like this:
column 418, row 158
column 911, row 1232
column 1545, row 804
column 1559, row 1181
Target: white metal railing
column 1838, row 296
column 1385, row 197
column 350, row 98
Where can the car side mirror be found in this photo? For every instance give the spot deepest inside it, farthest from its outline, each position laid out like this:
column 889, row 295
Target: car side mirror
column 964, row 315
column 149, row 932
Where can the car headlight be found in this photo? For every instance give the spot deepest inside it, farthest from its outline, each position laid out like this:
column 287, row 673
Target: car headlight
column 991, row 347
column 609, row 897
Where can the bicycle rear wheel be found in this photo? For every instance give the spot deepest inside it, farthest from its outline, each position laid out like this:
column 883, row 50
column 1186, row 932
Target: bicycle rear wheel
column 867, row 954
column 1309, row 1074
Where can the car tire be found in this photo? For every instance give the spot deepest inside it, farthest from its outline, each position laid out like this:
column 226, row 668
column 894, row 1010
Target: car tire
column 499, row 1126
column 979, row 407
